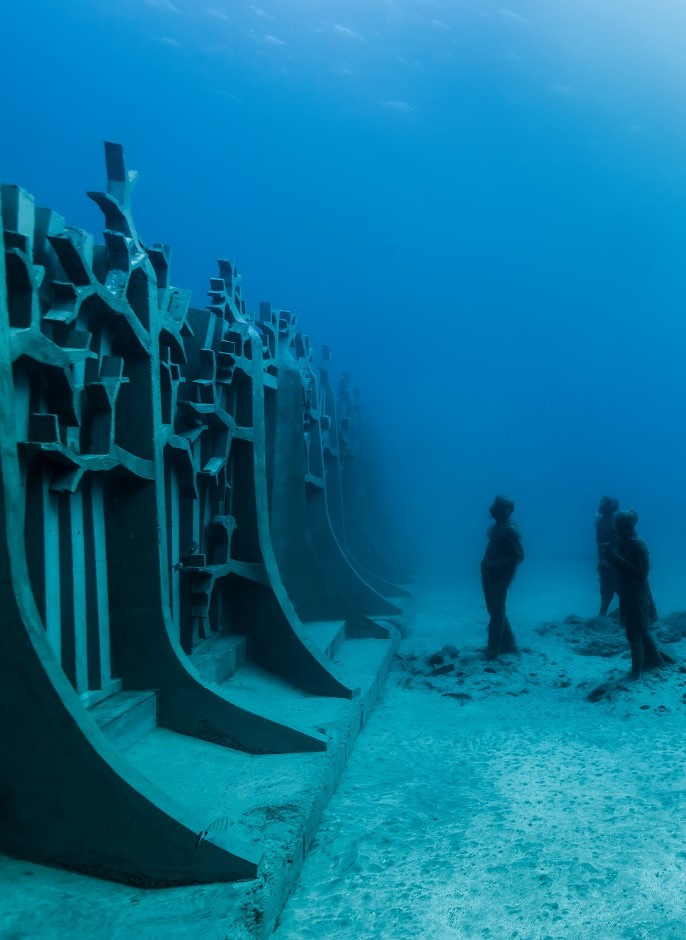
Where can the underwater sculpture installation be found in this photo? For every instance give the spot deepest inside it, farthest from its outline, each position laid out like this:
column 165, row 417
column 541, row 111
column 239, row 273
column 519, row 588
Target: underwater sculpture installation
column 503, row 555
column 141, row 490
column 605, row 535
column 355, row 507
column 376, row 596
column 628, row 556
column 318, row 576
column 349, row 499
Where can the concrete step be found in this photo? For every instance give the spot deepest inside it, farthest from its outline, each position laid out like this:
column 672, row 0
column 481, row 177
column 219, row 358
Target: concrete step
column 274, row 801
column 255, row 689
column 365, row 663
column 327, row 634
column 218, row 657
column 127, row 716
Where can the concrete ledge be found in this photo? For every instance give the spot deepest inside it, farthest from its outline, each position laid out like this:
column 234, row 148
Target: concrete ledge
column 327, row 634
column 272, row 801
column 127, row 717
column 219, row 657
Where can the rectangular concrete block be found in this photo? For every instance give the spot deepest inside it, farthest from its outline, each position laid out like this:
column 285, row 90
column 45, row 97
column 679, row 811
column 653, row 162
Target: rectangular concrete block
column 219, row 657
column 327, row 634
column 127, row 717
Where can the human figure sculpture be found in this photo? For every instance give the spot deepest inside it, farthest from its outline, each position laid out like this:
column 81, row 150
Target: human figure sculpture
column 605, row 535
column 629, row 557
column 504, row 553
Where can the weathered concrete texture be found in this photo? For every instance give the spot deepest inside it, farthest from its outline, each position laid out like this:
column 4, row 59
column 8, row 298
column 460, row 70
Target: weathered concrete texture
column 376, row 596
column 166, row 551
column 360, row 519
column 274, row 801
column 315, row 572
column 348, row 508
column 59, row 771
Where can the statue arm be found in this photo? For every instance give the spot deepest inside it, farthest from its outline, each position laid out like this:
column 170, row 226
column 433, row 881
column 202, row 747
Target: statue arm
column 517, row 548
column 637, row 566
column 601, row 546
column 511, row 556
column 619, row 561
column 603, row 538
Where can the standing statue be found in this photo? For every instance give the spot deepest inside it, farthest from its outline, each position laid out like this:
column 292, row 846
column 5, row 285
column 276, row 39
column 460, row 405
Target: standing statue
column 629, row 557
column 504, row 553
column 605, row 535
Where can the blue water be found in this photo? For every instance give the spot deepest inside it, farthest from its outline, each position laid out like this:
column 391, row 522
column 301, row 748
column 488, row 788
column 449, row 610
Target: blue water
column 481, row 207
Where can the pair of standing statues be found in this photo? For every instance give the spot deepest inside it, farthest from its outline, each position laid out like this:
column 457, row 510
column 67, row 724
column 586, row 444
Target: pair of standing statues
column 622, row 567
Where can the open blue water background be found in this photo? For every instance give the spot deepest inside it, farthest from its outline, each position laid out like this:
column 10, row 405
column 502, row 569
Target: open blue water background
column 480, row 206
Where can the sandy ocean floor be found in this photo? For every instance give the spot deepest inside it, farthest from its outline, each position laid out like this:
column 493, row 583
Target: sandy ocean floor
column 481, row 800
column 496, row 800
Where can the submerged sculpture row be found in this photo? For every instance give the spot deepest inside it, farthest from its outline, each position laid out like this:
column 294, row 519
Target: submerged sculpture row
column 181, row 491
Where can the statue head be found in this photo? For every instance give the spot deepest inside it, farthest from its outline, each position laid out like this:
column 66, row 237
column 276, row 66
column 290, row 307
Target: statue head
column 502, row 508
column 625, row 522
column 608, row 505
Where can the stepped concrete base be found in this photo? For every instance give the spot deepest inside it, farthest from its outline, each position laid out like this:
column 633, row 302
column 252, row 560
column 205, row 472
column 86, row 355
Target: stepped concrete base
column 274, row 801
column 219, row 657
column 404, row 623
column 327, row 634
column 127, row 716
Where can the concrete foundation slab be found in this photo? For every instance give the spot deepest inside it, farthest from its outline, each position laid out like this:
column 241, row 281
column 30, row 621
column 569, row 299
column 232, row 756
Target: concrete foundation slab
column 273, row 801
column 327, row 634
column 219, row 657
column 127, row 717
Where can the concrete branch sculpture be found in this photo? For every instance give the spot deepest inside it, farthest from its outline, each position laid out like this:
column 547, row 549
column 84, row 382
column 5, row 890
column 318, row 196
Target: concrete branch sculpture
column 178, row 495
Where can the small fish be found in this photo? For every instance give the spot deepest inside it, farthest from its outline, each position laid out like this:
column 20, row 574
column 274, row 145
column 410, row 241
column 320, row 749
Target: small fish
column 219, row 825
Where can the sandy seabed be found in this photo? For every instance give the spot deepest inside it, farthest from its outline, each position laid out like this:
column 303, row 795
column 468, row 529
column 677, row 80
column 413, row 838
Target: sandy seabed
column 497, row 800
